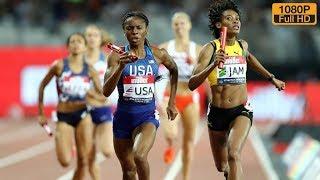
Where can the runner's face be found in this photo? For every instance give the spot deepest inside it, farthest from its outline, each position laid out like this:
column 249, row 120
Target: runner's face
column 76, row 44
column 231, row 20
column 181, row 26
column 135, row 30
column 93, row 36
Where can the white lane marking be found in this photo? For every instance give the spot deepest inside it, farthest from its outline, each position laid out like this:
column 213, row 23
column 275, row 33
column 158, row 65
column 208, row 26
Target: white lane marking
column 262, row 154
column 27, row 153
column 177, row 163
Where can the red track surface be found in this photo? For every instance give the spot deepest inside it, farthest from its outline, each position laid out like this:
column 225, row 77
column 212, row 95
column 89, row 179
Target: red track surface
column 14, row 137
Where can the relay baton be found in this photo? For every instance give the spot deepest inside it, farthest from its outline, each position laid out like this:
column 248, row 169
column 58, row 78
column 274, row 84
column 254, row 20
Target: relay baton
column 119, row 50
column 223, row 37
column 47, row 129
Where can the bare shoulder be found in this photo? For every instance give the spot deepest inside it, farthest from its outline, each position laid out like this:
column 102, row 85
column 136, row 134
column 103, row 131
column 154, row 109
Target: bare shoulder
column 207, row 49
column 198, row 48
column 161, row 55
column 205, row 54
column 158, row 52
column 244, row 44
column 57, row 63
column 57, row 66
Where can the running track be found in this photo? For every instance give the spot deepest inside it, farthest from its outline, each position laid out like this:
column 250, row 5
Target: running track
column 28, row 153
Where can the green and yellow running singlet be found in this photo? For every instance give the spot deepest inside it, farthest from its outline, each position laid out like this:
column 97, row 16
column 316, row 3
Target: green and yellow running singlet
column 234, row 70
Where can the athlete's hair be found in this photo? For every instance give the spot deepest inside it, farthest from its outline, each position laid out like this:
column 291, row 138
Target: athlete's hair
column 181, row 14
column 78, row 34
column 138, row 14
column 216, row 9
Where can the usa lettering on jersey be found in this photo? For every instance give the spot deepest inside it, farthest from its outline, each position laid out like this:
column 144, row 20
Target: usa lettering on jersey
column 139, row 85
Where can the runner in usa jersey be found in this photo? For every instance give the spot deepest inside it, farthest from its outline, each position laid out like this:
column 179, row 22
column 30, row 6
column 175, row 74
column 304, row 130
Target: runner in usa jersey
column 73, row 78
column 223, row 61
column 136, row 119
column 99, row 106
column 137, row 84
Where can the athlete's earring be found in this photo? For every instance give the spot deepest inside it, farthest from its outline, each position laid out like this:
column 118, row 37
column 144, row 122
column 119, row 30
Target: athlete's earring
column 218, row 25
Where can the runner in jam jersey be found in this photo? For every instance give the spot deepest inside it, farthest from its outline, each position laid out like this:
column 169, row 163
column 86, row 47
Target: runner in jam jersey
column 136, row 120
column 184, row 52
column 99, row 106
column 73, row 78
column 230, row 116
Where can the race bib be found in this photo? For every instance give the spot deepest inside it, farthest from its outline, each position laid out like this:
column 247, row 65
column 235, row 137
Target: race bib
column 73, row 87
column 233, row 72
column 138, row 88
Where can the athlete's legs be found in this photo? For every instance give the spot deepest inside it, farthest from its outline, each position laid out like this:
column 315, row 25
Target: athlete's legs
column 238, row 134
column 94, row 168
column 218, row 142
column 84, row 146
column 104, row 138
column 63, row 138
column 123, row 149
column 102, row 141
column 190, row 119
column 144, row 137
column 170, row 128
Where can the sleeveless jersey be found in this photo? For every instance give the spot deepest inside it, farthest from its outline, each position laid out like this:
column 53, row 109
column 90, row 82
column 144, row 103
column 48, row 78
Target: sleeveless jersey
column 234, row 70
column 182, row 59
column 136, row 85
column 101, row 66
column 73, row 86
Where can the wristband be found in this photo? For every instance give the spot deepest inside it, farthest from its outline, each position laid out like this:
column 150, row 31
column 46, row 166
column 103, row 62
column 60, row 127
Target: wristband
column 271, row 78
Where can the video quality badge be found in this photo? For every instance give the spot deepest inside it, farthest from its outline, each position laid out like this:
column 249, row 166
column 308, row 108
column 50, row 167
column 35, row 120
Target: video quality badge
column 294, row 13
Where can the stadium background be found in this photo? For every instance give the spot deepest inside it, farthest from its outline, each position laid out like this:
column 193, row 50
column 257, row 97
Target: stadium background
column 33, row 33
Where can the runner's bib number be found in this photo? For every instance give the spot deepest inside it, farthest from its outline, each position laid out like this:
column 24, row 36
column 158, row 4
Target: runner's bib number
column 138, row 88
column 233, row 72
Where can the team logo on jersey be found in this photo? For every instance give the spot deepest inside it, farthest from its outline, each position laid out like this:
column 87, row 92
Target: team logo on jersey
column 138, row 88
column 233, row 71
column 73, row 86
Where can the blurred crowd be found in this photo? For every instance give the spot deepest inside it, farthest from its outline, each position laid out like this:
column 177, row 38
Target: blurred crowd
column 281, row 46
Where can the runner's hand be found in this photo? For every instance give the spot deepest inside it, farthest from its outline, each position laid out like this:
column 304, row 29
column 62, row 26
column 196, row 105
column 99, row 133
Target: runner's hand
column 126, row 58
column 42, row 120
column 220, row 56
column 280, row 85
column 172, row 112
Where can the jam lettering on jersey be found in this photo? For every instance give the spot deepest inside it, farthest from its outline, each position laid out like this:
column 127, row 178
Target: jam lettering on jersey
column 138, row 86
column 233, row 71
column 72, row 87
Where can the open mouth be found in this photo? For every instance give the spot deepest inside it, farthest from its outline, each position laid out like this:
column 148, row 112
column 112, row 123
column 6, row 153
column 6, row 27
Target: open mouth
column 135, row 39
column 236, row 27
